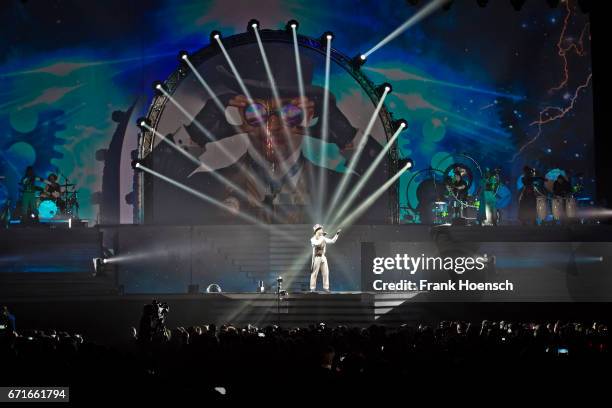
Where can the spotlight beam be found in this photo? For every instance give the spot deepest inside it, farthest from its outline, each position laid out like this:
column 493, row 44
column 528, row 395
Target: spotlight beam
column 204, row 84
column 362, row 181
column 215, row 202
column 409, row 77
column 240, row 191
column 246, row 92
column 193, row 120
column 324, row 131
column 273, row 87
column 300, row 78
column 355, row 158
column 417, row 17
column 356, row 213
column 216, row 100
column 188, row 115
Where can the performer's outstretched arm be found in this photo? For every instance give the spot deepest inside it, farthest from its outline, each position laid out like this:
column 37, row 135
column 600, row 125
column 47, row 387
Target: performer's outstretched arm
column 334, row 239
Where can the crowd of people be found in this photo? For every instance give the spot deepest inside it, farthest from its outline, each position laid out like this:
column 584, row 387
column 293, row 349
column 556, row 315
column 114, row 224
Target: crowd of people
column 261, row 363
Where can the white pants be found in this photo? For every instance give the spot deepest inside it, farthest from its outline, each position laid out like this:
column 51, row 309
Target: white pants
column 320, row 262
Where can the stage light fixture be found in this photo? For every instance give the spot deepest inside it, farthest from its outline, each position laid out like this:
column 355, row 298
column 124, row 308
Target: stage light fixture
column 358, row 60
column 292, row 25
column 517, row 4
column 482, row 3
column 142, row 123
column 381, row 89
column 98, row 264
column 182, row 55
column 253, row 25
column 406, row 162
column 412, row 2
column 553, row 3
column 136, row 163
column 214, row 36
column 158, row 87
column 326, row 37
column 447, row 5
column 400, row 123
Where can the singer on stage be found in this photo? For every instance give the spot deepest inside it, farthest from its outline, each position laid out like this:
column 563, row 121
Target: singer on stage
column 319, row 262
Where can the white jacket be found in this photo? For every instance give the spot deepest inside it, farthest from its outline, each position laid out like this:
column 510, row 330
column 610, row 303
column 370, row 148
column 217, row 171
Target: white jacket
column 320, row 242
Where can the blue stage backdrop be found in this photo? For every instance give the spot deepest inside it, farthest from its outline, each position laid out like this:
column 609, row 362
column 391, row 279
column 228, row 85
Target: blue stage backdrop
column 492, row 86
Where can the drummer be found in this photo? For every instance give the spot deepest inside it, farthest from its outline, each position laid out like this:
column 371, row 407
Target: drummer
column 53, row 190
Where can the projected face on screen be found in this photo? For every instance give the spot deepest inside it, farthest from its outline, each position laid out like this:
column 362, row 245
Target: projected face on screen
column 264, row 151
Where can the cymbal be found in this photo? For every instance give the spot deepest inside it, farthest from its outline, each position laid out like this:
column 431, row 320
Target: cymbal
column 67, row 185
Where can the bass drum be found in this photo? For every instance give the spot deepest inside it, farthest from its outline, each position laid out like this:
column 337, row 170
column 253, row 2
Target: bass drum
column 47, row 209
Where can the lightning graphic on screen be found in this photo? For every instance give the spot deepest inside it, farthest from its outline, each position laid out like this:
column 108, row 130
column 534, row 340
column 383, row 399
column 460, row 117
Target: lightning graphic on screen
column 564, row 46
column 564, row 51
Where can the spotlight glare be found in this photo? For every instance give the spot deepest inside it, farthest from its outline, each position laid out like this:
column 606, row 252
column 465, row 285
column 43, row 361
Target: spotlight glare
column 253, row 25
column 142, row 123
column 406, row 163
column 158, row 87
column 385, row 88
column 328, row 35
column 358, row 61
column 136, row 164
column 182, row 55
column 215, row 35
column 401, row 124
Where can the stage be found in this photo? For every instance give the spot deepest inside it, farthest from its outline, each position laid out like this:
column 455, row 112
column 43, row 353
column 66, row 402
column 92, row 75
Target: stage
column 566, row 263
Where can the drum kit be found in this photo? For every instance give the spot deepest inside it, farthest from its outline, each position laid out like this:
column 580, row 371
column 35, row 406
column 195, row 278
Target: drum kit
column 62, row 204
column 433, row 198
column 52, row 202
column 561, row 209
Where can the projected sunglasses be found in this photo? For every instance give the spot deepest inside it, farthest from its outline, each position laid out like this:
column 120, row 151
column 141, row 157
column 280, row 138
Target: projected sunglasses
column 256, row 114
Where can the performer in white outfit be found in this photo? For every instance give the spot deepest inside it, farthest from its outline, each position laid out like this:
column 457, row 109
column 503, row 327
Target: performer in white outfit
column 319, row 261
